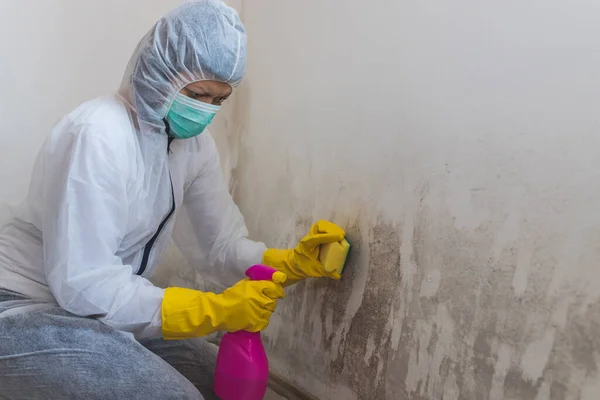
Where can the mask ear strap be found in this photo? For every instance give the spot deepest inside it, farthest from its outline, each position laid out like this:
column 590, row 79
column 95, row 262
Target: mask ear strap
column 170, row 138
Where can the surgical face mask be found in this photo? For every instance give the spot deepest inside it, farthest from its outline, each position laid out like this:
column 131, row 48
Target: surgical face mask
column 188, row 117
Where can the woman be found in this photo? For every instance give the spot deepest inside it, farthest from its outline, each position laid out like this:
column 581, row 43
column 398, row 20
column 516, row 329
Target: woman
column 78, row 317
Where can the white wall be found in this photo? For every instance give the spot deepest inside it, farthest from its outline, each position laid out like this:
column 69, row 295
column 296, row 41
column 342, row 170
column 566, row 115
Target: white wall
column 458, row 142
column 55, row 54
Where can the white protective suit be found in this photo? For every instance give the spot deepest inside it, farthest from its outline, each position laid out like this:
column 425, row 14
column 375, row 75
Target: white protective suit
column 105, row 191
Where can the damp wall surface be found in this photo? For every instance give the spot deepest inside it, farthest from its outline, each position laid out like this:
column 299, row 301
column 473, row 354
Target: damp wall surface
column 457, row 143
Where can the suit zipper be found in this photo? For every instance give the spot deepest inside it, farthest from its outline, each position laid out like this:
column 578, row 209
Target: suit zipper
column 150, row 244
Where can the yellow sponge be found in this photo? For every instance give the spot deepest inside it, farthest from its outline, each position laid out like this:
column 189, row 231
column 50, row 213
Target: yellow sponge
column 333, row 256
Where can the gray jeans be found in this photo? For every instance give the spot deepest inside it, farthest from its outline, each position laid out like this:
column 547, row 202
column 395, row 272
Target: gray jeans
column 48, row 353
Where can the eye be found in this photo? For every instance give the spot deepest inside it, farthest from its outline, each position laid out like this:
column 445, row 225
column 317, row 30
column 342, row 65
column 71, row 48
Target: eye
column 219, row 100
column 195, row 95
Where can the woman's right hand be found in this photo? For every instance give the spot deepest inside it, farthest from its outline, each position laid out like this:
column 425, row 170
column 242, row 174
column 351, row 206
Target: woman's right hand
column 246, row 306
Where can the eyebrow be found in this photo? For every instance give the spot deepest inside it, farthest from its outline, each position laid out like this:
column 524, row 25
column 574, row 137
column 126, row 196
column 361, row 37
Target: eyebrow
column 205, row 92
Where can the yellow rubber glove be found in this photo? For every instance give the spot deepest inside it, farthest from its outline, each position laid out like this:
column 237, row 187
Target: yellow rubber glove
column 246, row 306
column 303, row 261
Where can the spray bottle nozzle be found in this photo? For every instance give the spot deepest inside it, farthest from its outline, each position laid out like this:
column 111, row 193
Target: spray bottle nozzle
column 265, row 273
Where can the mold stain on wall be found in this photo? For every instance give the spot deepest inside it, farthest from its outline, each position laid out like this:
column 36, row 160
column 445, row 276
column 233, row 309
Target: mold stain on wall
column 426, row 310
column 431, row 309
column 469, row 192
column 428, row 307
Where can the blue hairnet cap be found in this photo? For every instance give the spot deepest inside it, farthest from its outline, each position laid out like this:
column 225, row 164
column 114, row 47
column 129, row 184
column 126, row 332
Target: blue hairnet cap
column 200, row 40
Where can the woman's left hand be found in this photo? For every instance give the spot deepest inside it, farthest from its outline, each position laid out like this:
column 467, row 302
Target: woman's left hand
column 303, row 261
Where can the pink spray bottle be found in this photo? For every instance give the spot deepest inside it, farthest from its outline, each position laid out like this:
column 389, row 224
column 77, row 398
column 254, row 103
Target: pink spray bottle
column 242, row 370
